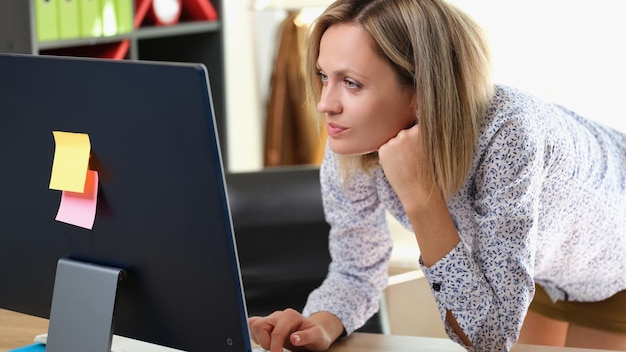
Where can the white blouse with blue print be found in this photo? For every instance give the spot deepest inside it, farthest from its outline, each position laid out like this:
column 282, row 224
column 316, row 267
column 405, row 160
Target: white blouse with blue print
column 544, row 202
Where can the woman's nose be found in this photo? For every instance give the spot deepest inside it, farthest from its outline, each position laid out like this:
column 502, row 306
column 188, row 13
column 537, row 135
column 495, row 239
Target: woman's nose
column 328, row 102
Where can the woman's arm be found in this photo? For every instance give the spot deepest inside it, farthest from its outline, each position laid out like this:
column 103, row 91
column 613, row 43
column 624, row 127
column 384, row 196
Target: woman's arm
column 360, row 247
column 482, row 286
column 423, row 203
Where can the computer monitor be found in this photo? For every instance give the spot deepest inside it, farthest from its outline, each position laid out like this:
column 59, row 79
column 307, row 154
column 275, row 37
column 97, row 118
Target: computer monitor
column 161, row 217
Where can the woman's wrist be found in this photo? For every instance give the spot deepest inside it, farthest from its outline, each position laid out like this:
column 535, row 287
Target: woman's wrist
column 434, row 229
column 330, row 324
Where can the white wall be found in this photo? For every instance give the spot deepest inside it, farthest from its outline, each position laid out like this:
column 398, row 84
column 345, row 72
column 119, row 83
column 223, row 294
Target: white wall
column 243, row 105
column 571, row 52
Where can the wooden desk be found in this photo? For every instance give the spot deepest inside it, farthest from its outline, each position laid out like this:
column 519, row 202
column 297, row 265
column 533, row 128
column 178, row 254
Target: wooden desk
column 19, row 330
column 361, row 342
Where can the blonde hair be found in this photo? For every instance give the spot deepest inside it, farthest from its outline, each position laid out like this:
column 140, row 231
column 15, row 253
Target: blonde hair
column 440, row 51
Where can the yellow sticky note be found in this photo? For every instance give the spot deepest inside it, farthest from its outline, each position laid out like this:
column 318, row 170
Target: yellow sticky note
column 71, row 161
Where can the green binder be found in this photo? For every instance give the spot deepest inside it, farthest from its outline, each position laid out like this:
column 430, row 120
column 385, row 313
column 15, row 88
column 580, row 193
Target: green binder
column 90, row 18
column 124, row 16
column 46, row 20
column 69, row 27
column 109, row 17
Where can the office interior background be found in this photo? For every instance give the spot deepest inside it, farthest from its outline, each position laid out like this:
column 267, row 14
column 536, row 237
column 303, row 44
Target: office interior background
column 571, row 52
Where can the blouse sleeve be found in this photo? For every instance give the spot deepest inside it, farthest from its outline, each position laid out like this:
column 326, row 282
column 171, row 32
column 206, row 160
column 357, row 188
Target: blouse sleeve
column 359, row 244
column 486, row 280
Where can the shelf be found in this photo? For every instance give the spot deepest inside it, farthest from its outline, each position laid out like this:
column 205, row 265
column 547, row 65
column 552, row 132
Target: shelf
column 183, row 28
column 61, row 44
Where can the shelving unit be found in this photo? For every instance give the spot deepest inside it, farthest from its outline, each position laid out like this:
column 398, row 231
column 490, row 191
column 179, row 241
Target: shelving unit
column 187, row 41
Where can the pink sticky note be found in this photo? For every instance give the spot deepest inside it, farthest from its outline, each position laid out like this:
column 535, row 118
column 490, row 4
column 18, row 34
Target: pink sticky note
column 80, row 208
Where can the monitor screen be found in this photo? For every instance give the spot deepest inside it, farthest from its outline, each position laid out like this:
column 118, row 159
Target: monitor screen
column 158, row 210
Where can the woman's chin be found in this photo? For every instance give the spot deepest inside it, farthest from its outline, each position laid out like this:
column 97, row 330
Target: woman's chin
column 350, row 150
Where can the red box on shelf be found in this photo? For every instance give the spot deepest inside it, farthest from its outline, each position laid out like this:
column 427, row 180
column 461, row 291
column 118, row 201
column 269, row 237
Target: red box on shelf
column 198, row 10
column 191, row 10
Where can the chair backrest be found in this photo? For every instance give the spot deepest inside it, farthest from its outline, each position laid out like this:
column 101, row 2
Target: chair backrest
column 282, row 237
column 281, row 234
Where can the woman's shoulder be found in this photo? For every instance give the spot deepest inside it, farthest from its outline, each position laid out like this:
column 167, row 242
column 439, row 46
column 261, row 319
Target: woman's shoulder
column 518, row 109
column 515, row 121
column 510, row 102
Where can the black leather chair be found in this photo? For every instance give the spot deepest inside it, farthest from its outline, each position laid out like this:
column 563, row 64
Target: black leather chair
column 281, row 236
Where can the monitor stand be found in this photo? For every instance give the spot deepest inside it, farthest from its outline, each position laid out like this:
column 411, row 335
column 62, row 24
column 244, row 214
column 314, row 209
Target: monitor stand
column 81, row 315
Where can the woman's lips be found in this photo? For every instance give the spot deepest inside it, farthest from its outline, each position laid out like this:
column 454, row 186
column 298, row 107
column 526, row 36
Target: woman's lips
column 334, row 130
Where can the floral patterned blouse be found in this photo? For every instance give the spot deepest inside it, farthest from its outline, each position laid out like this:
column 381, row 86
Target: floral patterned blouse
column 544, row 202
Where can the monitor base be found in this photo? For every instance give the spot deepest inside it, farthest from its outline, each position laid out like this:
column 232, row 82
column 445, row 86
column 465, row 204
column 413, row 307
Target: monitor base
column 83, row 300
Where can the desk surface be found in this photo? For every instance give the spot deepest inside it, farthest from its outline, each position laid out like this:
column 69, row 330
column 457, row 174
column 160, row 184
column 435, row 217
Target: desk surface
column 19, row 330
column 360, row 342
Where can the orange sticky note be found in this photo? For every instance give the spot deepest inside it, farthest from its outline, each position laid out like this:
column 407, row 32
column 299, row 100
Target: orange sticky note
column 71, row 161
column 80, row 208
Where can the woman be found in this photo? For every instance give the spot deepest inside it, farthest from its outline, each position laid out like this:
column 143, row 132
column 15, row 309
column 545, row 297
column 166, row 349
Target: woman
column 508, row 196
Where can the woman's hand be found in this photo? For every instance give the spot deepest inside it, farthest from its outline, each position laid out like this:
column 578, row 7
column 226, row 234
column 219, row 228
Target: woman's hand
column 291, row 330
column 401, row 159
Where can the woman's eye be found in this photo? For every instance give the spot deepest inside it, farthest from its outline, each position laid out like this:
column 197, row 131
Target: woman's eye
column 323, row 76
column 351, row 84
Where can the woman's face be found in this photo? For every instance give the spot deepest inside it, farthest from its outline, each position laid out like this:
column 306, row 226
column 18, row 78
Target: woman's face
column 362, row 99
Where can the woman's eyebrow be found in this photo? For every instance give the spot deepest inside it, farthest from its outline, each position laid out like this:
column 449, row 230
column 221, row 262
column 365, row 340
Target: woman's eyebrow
column 343, row 72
